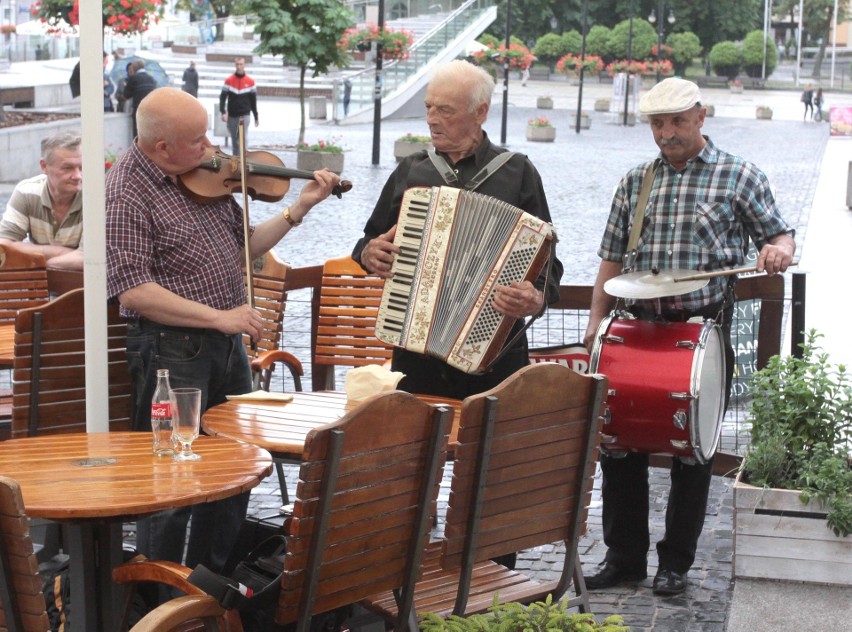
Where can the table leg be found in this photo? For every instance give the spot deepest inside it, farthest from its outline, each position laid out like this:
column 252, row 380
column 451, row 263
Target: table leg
column 95, row 549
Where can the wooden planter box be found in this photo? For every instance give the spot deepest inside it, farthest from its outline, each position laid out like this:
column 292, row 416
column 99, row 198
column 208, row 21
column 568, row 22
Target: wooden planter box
column 316, row 160
column 403, row 148
column 541, row 134
column 795, row 546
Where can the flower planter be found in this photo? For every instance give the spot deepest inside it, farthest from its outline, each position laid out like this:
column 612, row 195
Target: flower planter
column 585, row 121
column 710, row 109
column 544, row 103
column 602, row 105
column 776, row 536
column 737, row 89
column 541, row 134
column 763, row 112
column 403, row 148
column 315, row 160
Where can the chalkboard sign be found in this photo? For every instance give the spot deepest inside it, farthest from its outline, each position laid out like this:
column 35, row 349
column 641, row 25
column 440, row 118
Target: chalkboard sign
column 744, row 334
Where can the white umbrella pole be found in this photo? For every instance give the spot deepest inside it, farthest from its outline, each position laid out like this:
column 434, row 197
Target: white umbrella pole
column 94, row 275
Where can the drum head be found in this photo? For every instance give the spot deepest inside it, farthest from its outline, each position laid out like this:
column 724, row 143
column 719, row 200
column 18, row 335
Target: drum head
column 708, row 408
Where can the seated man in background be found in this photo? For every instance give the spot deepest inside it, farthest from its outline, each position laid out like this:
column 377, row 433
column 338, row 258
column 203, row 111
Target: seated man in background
column 47, row 209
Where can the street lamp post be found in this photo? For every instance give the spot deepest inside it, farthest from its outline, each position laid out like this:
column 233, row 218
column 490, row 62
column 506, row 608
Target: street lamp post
column 661, row 11
column 629, row 60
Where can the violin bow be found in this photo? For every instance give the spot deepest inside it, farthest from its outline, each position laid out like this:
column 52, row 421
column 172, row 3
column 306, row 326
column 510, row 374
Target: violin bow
column 246, row 233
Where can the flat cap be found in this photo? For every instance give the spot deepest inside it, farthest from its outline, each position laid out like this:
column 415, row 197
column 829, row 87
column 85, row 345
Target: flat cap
column 669, row 96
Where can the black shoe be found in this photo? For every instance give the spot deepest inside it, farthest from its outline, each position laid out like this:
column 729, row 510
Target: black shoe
column 611, row 575
column 668, row 582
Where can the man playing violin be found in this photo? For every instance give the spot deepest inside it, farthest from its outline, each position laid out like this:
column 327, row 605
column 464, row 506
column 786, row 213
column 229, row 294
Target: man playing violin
column 704, row 205
column 174, row 264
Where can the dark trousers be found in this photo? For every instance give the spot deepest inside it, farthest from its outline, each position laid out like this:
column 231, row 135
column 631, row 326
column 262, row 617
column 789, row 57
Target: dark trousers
column 217, row 364
column 625, row 491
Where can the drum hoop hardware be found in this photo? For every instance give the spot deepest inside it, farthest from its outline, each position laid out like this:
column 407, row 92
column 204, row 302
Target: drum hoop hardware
column 680, row 419
column 612, row 339
column 686, row 344
column 682, row 396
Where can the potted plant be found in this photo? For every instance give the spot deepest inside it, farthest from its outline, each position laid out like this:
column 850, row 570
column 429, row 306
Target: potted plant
column 540, row 615
column 764, row 112
column 570, row 65
column 323, row 154
column 394, row 44
column 602, row 105
column 736, row 86
column 793, row 495
column 544, row 103
column 410, row 144
column 540, row 130
column 585, row 120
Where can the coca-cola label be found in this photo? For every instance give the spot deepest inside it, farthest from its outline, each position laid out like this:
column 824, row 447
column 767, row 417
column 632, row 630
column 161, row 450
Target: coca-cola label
column 162, row 410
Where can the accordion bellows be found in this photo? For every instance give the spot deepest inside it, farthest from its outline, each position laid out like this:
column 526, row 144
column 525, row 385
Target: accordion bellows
column 456, row 247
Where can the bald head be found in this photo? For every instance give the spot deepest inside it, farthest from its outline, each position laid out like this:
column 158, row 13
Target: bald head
column 169, row 120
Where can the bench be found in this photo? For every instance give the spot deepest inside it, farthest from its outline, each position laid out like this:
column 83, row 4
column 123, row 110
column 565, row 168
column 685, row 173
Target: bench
column 19, row 97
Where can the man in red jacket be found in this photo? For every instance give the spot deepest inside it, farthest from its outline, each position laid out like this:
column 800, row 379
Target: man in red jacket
column 239, row 96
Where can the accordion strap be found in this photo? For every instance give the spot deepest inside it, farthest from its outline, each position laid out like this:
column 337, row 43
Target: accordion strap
column 486, row 172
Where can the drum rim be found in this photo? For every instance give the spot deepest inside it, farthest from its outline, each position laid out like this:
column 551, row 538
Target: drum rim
column 709, row 327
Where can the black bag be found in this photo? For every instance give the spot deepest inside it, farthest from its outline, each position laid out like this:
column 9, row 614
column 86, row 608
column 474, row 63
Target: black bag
column 56, row 587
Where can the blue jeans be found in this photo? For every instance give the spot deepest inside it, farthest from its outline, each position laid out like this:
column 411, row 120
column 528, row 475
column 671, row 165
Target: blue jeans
column 234, row 131
column 217, row 364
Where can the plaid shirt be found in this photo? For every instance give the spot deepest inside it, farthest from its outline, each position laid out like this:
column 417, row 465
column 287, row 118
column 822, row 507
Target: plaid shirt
column 698, row 219
column 155, row 234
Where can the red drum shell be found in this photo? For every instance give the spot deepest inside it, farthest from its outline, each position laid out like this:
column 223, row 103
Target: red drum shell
column 666, row 386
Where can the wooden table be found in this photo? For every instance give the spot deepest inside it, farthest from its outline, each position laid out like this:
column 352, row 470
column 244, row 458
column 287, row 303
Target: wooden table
column 281, row 427
column 93, row 482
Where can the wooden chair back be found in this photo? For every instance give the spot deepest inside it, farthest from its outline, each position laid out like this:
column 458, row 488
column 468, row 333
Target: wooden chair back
column 270, row 299
column 362, row 513
column 345, row 327
column 22, row 606
column 522, row 477
column 23, row 281
column 48, row 374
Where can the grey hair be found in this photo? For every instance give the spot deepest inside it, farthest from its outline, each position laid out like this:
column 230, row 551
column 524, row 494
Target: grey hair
column 60, row 140
column 463, row 73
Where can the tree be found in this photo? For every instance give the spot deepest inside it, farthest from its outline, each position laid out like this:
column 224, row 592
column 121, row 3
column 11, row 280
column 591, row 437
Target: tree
column 685, row 47
column 755, row 47
column 818, row 20
column 726, row 58
column 644, row 37
column 305, row 33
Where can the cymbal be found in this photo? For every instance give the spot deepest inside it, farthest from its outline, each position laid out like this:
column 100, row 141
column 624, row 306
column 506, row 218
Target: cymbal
column 653, row 284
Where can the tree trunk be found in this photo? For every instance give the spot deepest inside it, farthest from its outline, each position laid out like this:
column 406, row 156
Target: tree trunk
column 817, row 72
column 302, row 70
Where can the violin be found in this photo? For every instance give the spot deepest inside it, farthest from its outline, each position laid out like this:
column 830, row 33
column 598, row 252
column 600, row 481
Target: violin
column 267, row 179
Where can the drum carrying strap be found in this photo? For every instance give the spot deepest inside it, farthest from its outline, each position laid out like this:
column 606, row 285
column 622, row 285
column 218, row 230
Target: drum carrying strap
column 639, row 217
column 486, row 172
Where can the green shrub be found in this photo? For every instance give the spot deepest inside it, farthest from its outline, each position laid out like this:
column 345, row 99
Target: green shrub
column 511, row 617
column 754, row 46
column 572, row 42
column 726, row 59
column 548, row 48
column 644, row 38
column 801, row 435
column 596, row 42
column 685, row 47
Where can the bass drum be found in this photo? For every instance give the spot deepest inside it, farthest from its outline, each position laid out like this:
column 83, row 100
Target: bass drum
column 666, row 386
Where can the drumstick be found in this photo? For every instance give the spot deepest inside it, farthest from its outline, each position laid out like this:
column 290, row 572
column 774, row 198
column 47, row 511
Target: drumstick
column 718, row 273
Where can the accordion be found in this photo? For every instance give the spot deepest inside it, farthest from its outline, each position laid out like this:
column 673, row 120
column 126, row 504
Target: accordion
column 456, row 247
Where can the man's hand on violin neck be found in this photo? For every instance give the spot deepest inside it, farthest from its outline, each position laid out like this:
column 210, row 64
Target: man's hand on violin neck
column 242, row 320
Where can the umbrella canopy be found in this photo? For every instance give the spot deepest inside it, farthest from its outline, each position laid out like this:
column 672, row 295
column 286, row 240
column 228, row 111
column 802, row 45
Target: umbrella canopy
column 119, row 70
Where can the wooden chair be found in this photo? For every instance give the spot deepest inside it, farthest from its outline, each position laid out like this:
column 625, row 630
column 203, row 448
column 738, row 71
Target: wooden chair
column 21, row 600
column 23, row 283
column 361, row 518
column 522, row 477
column 22, row 605
column 270, row 297
column 49, row 377
column 345, row 325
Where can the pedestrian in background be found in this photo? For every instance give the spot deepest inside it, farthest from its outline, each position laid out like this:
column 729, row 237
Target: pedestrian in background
column 108, row 87
column 238, row 100
column 139, row 85
column 808, row 100
column 818, row 101
column 190, row 80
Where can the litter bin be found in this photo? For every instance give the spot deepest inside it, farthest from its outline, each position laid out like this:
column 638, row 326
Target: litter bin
column 317, row 107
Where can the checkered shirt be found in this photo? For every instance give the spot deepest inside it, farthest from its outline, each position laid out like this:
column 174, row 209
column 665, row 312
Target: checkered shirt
column 698, row 219
column 155, row 234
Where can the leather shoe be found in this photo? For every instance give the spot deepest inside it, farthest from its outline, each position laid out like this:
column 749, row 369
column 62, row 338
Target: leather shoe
column 668, row 582
column 612, row 575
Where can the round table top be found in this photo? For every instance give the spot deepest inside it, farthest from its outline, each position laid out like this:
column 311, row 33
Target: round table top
column 100, row 475
column 281, row 427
